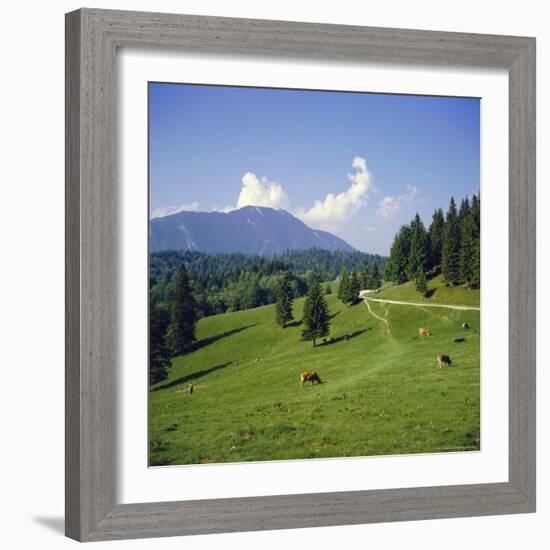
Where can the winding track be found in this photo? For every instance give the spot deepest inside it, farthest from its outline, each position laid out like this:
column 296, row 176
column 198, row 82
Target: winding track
column 377, row 316
column 366, row 299
column 422, row 304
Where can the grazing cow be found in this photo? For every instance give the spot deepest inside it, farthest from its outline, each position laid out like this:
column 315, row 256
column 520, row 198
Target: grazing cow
column 310, row 376
column 424, row 331
column 190, row 389
column 465, row 326
column 443, row 359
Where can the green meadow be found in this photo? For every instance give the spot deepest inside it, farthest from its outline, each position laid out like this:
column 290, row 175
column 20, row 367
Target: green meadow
column 382, row 392
column 437, row 293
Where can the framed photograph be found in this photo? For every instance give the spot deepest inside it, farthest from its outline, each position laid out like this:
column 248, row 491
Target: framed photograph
column 300, row 273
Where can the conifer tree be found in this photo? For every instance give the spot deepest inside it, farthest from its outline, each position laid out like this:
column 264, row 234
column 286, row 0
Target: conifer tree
column 283, row 308
column 476, row 213
column 181, row 331
column 159, row 353
column 418, row 248
column 365, row 275
column 468, row 241
column 377, row 275
column 476, row 271
column 420, row 280
column 375, row 278
column 450, row 263
column 316, row 318
column 354, row 288
column 399, row 256
column 344, row 287
column 464, row 211
column 436, row 239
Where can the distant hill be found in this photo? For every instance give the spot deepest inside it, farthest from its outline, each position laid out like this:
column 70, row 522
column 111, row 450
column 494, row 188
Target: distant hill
column 250, row 230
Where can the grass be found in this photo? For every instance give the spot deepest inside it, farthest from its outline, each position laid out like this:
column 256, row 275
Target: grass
column 382, row 393
column 437, row 293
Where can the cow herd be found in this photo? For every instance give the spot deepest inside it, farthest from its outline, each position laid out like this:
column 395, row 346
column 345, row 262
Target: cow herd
column 442, row 358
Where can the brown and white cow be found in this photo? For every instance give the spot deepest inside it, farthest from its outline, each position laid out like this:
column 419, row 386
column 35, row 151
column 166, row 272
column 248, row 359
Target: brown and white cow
column 443, row 359
column 424, row 331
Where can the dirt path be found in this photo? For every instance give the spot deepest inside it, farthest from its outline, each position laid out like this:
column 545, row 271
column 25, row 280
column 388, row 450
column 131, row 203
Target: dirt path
column 378, row 316
column 422, row 305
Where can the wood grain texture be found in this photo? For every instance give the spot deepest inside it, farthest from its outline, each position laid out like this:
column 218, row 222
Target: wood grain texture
column 92, row 37
column 72, row 276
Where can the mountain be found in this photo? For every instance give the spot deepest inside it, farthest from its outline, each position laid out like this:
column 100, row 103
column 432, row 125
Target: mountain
column 250, row 230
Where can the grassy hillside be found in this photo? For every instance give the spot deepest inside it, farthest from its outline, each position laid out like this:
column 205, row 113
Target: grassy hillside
column 382, row 390
column 437, row 293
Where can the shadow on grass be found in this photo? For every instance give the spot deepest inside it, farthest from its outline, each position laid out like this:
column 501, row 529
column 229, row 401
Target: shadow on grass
column 192, row 376
column 299, row 322
column 429, row 293
column 211, row 339
column 344, row 337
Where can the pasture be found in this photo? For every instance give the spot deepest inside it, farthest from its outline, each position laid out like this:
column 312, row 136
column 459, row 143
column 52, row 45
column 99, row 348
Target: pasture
column 382, row 392
column 437, row 293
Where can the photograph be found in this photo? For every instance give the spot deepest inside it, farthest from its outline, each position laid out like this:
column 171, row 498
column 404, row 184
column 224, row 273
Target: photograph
column 314, row 274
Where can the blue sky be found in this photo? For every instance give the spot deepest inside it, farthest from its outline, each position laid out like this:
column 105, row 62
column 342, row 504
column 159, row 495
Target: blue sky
column 356, row 164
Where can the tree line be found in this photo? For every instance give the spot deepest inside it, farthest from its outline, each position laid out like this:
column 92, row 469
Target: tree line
column 368, row 277
column 172, row 329
column 450, row 245
column 233, row 282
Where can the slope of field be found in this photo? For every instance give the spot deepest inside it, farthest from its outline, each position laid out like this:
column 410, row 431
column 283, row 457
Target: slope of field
column 437, row 293
column 382, row 392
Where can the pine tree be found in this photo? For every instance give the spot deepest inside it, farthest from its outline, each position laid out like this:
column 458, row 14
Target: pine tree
column 476, row 212
column 375, row 276
column 464, row 211
column 181, row 332
column 326, row 272
column 365, row 275
column 316, row 318
column 354, row 288
column 450, row 264
column 388, row 270
column 418, row 248
column 399, row 256
column 436, row 239
column 283, row 308
column 476, row 269
column 420, row 279
column 159, row 353
column 468, row 242
column 344, row 287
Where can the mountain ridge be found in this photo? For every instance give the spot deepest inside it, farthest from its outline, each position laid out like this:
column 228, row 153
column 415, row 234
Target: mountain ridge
column 250, row 230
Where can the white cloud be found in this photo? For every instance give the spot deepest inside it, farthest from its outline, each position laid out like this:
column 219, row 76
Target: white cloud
column 167, row 211
column 225, row 209
column 412, row 191
column 389, row 206
column 337, row 208
column 261, row 192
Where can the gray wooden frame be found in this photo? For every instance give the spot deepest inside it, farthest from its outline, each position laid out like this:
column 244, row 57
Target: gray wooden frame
column 92, row 38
